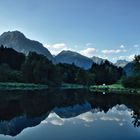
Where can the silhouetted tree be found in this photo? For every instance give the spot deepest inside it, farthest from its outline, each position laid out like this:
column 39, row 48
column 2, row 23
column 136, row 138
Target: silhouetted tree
column 38, row 69
column 106, row 73
column 11, row 57
column 133, row 80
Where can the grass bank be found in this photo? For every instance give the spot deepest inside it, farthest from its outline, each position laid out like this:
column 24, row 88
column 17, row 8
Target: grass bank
column 22, row 86
column 72, row 86
column 113, row 88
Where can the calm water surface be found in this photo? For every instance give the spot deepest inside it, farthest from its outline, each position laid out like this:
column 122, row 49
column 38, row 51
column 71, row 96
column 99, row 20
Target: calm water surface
column 69, row 115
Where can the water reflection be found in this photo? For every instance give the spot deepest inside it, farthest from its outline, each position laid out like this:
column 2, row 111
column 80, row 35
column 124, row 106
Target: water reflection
column 119, row 114
column 67, row 108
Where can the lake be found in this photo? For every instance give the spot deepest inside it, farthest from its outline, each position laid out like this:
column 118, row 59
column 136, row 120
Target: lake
column 69, row 115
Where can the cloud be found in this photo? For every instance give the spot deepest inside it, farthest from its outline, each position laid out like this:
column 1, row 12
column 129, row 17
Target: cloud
column 87, row 117
column 56, row 48
column 59, row 46
column 122, row 57
column 136, row 46
column 89, row 44
column 128, row 57
column 102, row 56
column 122, row 46
column 119, row 114
column 109, row 118
column 131, row 57
column 116, row 114
column 115, row 51
column 89, row 52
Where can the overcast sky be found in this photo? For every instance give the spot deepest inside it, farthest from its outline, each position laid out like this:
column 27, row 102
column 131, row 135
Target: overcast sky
column 104, row 28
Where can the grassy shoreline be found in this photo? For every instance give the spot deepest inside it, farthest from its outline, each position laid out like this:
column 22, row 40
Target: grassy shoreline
column 115, row 88
column 22, row 86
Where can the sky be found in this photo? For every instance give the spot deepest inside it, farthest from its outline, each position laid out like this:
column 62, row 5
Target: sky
column 104, row 28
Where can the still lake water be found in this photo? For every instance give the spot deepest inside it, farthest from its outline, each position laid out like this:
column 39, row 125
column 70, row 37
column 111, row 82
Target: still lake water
column 69, row 115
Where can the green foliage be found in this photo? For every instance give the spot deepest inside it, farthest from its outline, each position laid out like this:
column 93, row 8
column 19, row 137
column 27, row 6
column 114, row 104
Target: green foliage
column 76, row 75
column 68, row 72
column 106, row 73
column 133, row 81
column 137, row 63
column 9, row 75
column 85, row 78
column 38, row 69
column 11, row 57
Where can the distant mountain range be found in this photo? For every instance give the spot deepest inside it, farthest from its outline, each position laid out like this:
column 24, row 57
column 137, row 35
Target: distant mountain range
column 121, row 63
column 97, row 60
column 20, row 43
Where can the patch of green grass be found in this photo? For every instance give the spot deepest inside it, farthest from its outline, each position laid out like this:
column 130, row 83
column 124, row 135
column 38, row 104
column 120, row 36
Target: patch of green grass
column 21, row 86
column 71, row 86
column 113, row 88
column 116, row 86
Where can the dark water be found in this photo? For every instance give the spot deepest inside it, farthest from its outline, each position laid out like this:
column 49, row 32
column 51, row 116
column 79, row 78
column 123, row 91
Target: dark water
column 69, row 115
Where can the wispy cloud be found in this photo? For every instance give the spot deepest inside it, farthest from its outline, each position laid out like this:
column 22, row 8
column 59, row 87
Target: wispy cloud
column 136, row 46
column 127, row 57
column 89, row 44
column 57, row 48
column 131, row 57
column 122, row 46
column 120, row 58
column 89, row 52
column 113, row 51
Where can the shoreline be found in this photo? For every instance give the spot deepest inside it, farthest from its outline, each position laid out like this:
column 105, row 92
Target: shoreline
column 22, row 86
column 115, row 88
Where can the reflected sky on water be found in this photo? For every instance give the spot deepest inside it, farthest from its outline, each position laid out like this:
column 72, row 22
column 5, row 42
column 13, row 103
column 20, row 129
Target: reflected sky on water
column 69, row 114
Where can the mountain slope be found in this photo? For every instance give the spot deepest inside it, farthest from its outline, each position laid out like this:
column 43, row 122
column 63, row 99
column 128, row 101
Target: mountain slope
column 97, row 60
column 121, row 63
column 70, row 57
column 20, row 43
column 129, row 68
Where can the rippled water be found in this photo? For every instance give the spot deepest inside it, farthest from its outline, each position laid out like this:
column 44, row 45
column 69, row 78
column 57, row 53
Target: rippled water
column 68, row 115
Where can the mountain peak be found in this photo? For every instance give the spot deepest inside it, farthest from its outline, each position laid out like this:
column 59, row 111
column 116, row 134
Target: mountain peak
column 70, row 57
column 18, row 41
column 122, row 60
column 97, row 60
column 13, row 34
column 121, row 63
column 68, row 51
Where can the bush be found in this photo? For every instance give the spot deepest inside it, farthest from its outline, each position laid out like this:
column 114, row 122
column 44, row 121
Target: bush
column 9, row 75
column 132, row 81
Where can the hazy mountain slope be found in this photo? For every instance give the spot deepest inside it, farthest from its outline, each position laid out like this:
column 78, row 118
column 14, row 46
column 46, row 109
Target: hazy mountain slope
column 121, row 63
column 97, row 60
column 129, row 68
column 70, row 57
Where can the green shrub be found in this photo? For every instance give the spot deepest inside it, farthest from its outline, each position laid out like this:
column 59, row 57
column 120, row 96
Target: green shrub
column 132, row 81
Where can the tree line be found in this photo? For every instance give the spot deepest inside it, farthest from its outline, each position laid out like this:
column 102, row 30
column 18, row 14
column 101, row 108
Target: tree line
column 36, row 68
column 133, row 80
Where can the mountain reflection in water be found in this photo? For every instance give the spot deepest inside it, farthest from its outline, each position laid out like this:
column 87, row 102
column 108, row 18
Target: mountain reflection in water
column 67, row 108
